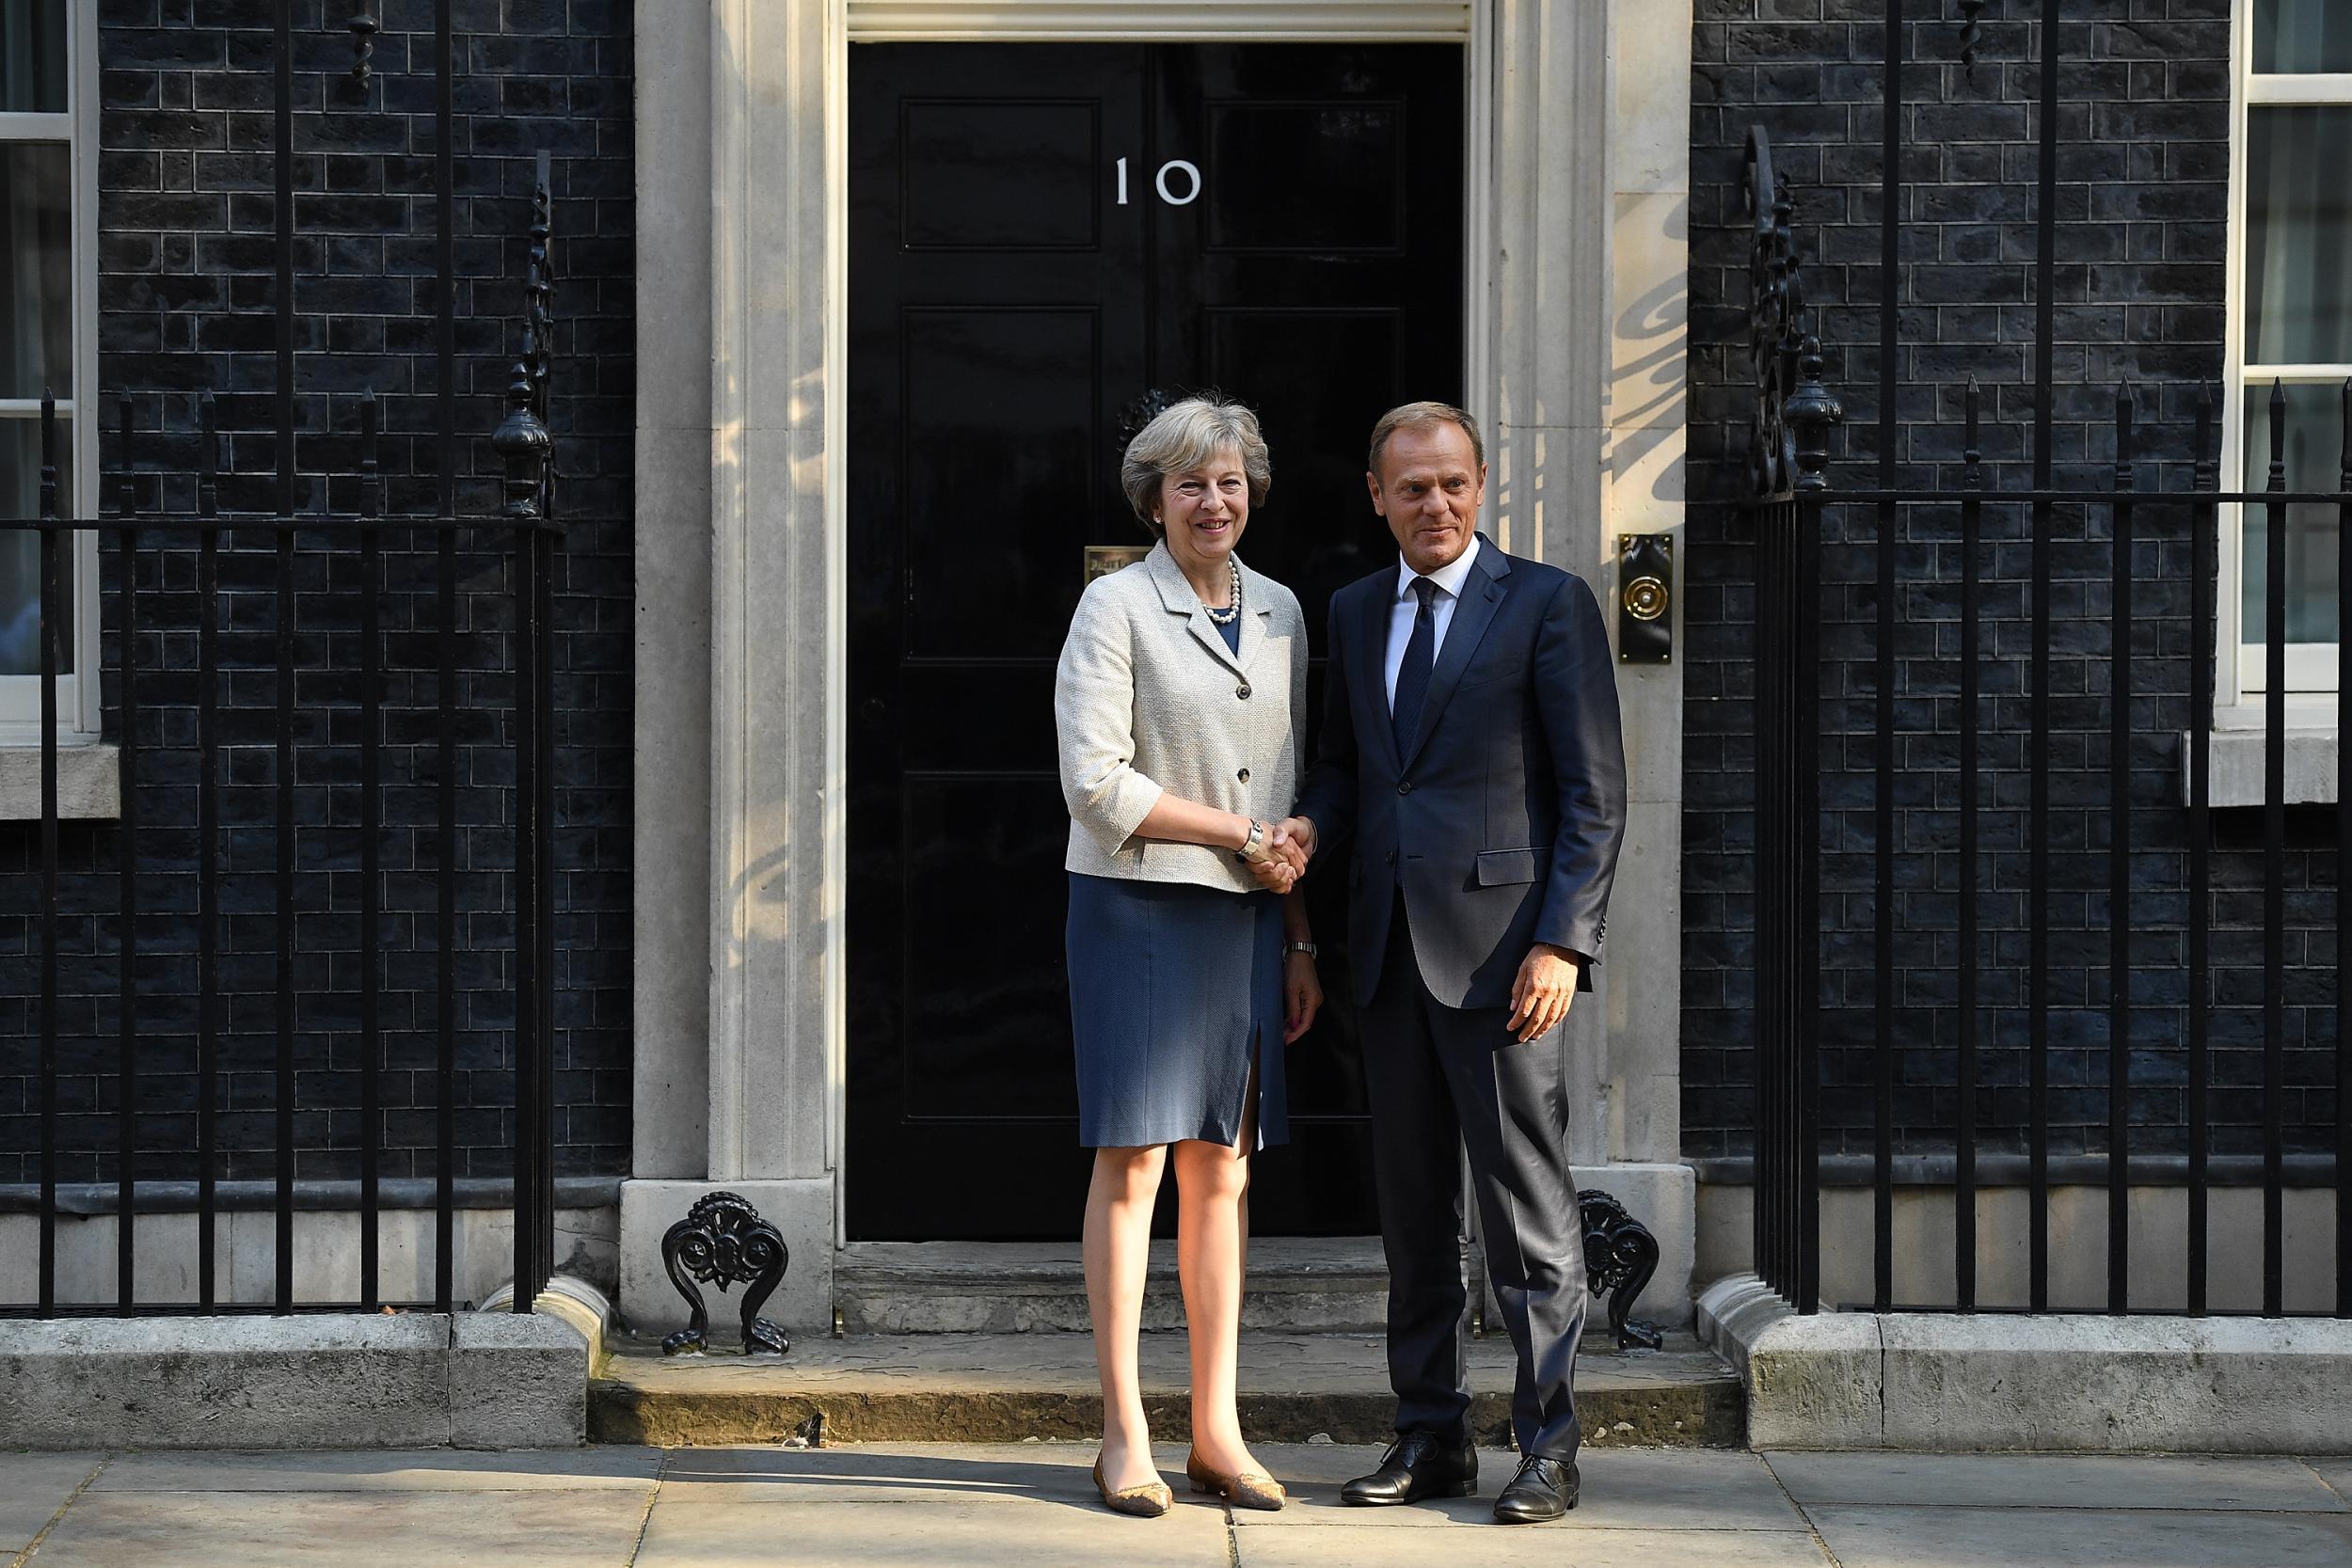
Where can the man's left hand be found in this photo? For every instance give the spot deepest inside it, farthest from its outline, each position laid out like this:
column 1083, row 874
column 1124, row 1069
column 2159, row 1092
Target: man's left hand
column 1543, row 990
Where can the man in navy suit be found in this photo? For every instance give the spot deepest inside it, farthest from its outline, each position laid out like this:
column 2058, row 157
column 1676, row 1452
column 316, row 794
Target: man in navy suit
column 1472, row 752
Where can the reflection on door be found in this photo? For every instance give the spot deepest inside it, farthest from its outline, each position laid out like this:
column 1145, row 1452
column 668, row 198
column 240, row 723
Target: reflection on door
column 1039, row 233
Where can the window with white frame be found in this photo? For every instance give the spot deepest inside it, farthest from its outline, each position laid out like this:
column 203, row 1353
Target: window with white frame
column 2291, row 327
column 48, row 223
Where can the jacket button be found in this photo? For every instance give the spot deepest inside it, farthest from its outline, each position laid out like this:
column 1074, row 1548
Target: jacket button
column 1242, row 691
column 1405, row 787
column 1243, row 775
column 1391, row 857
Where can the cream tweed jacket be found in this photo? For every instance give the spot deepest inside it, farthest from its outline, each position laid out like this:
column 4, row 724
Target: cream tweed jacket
column 1148, row 699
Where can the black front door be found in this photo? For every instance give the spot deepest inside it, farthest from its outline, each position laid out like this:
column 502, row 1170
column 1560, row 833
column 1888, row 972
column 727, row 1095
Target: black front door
column 1039, row 233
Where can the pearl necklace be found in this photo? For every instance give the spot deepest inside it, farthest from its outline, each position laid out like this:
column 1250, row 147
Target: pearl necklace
column 1225, row 617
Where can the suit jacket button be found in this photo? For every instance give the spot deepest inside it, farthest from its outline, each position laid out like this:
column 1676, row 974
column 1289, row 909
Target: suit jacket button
column 1391, row 857
column 1242, row 691
column 1405, row 787
column 1243, row 775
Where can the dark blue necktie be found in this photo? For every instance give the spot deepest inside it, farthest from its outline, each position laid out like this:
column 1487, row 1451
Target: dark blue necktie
column 1412, row 676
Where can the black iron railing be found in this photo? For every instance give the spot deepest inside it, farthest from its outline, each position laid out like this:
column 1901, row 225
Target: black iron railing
column 1790, row 497
column 168, row 598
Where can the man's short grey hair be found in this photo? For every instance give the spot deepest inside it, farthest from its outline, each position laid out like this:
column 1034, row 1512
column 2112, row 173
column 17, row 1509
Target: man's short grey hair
column 1187, row 436
column 1423, row 416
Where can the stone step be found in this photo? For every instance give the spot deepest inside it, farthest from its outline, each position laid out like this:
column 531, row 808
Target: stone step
column 1302, row 1284
column 1005, row 1387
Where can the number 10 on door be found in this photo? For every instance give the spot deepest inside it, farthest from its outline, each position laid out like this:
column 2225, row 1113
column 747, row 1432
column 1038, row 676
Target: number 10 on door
column 1190, row 172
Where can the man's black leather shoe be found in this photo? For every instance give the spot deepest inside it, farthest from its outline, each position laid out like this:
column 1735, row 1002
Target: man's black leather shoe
column 1420, row 1465
column 1543, row 1489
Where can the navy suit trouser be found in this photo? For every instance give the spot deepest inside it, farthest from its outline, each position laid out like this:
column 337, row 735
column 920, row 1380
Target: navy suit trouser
column 1443, row 1080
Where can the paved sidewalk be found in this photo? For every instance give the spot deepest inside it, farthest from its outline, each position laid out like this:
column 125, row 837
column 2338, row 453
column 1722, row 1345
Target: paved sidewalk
column 945, row 1505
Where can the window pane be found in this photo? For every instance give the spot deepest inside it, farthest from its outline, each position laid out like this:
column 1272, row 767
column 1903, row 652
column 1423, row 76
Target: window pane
column 2299, row 36
column 36, row 270
column 32, row 57
column 2315, row 451
column 20, row 548
column 2299, row 237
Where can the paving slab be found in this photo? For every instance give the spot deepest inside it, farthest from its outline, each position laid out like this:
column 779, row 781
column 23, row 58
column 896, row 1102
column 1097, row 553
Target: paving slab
column 33, row 1486
column 1625, row 1488
column 2081, row 1538
column 336, row 1530
column 2053, row 1481
column 960, row 1473
column 1530, row 1546
column 408, row 1470
column 914, row 1533
column 2337, row 1473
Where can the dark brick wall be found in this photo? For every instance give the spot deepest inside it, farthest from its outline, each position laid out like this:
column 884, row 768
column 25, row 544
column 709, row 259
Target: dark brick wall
column 188, row 295
column 2142, row 210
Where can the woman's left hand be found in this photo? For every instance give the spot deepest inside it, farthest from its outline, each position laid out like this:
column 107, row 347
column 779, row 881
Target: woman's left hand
column 1302, row 995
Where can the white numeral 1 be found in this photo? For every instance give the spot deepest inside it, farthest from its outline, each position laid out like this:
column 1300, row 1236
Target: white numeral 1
column 1123, row 181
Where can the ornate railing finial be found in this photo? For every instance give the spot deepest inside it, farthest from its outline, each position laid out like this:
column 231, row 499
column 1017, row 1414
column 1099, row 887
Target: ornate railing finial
column 521, row 440
column 363, row 28
column 1793, row 410
column 522, row 443
column 1810, row 412
column 539, row 288
column 1971, row 34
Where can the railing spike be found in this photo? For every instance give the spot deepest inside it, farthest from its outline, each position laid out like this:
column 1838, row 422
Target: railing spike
column 48, row 453
column 124, row 500
column 2277, row 434
column 2206, row 474
column 2343, row 479
column 1971, row 452
column 208, row 456
column 2123, row 410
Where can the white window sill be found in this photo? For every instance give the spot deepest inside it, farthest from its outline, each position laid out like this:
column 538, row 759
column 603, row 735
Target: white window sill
column 89, row 782
column 2240, row 755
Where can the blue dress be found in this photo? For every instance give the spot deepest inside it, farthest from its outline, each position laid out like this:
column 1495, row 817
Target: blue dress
column 1175, row 992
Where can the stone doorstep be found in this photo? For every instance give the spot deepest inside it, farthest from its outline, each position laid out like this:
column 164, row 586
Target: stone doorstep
column 2006, row 1382
column 310, row 1380
column 937, row 1387
column 1299, row 1284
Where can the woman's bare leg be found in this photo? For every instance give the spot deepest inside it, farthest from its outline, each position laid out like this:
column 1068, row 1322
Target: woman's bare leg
column 1211, row 1241
column 1118, row 1250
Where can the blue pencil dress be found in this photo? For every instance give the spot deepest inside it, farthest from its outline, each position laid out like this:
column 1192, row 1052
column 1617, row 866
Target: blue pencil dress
column 1175, row 990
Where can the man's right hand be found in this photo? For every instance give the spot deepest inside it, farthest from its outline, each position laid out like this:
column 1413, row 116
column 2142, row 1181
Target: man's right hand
column 1295, row 833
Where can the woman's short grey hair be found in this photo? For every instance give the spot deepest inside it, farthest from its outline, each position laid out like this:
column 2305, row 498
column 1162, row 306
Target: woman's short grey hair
column 1184, row 437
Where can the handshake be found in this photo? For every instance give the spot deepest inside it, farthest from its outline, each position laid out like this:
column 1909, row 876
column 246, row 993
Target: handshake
column 1289, row 843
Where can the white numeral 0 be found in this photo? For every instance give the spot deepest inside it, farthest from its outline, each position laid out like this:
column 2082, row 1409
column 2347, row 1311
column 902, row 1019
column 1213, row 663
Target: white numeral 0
column 1191, row 172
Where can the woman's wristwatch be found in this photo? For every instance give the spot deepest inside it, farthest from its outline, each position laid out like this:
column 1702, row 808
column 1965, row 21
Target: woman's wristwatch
column 1253, row 849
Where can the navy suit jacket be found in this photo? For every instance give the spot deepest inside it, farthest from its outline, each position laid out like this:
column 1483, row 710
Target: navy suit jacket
column 1502, row 817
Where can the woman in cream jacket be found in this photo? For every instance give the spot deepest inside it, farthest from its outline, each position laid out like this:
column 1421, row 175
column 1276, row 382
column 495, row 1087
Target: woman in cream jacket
column 1180, row 703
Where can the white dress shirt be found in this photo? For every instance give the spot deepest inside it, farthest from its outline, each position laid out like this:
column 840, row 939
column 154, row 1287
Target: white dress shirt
column 1401, row 614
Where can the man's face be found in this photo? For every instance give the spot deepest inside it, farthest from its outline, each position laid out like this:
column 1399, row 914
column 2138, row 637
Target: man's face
column 1429, row 487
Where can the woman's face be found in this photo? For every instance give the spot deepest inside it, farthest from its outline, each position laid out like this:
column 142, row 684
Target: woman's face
column 1205, row 509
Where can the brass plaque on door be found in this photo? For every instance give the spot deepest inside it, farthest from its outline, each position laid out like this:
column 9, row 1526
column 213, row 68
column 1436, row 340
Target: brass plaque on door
column 1103, row 560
